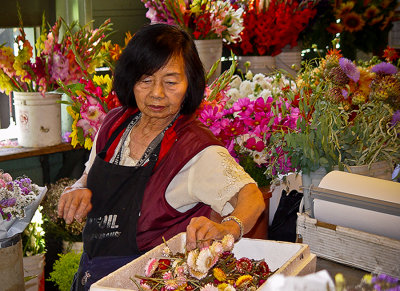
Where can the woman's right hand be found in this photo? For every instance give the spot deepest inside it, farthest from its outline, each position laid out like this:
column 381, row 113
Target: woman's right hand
column 74, row 203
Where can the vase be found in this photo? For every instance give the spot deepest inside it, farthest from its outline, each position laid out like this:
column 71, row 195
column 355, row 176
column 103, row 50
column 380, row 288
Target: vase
column 308, row 180
column 258, row 64
column 380, row 170
column 11, row 266
column 38, row 118
column 289, row 60
column 34, row 272
column 210, row 51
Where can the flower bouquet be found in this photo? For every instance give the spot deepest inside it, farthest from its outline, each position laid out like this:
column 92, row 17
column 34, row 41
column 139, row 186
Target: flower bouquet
column 19, row 199
column 92, row 97
column 363, row 25
column 251, row 117
column 269, row 26
column 210, row 268
column 58, row 59
column 350, row 115
column 201, row 19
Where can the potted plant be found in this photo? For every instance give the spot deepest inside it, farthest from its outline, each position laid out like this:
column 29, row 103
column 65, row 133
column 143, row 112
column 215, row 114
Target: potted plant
column 210, row 23
column 269, row 28
column 30, row 78
column 349, row 116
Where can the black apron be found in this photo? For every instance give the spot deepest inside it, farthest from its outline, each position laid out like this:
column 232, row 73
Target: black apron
column 109, row 235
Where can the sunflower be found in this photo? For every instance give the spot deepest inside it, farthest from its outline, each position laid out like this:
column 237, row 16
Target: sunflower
column 375, row 20
column 345, row 8
column 353, row 22
column 371, row 12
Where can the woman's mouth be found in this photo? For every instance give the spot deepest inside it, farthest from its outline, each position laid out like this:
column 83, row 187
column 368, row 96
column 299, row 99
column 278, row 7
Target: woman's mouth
column 156, row 107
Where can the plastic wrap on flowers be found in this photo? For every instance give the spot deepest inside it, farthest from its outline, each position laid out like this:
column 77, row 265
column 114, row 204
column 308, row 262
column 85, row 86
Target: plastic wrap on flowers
column 19, row 200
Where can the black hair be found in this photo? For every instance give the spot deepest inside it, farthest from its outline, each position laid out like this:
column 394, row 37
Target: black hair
column 149, row 50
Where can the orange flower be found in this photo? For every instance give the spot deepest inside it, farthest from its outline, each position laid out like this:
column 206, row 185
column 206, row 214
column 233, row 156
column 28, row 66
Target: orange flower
column 219, row 274
column 128, row 37
column 243, row 280
column 371, row 12
column 390, row 54
column 345, row 8
column 353, row 22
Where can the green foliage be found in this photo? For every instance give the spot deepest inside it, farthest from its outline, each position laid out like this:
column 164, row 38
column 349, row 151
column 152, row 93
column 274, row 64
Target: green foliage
column 256, row 172
column 64, row 270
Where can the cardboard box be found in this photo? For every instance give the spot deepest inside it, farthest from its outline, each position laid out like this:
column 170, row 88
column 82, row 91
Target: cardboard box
column 367, row 251
column 287, row 258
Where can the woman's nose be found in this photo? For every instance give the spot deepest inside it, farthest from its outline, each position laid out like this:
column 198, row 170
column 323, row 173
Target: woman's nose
column 157, row 90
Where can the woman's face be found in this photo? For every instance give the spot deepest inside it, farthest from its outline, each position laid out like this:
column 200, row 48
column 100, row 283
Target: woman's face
column 161, row 94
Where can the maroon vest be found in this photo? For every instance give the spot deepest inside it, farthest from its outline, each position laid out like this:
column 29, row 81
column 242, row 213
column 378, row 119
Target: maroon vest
column 157, row 218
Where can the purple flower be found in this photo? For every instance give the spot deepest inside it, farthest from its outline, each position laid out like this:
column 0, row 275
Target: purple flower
column 350, row 69
column 384, row 68
column 395, row 118
column 8, row 202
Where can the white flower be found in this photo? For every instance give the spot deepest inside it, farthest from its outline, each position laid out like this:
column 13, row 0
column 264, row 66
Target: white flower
column 249, row 75
column 205, row 260
column 259, row 158
column 235, row 82
column 265, row 94
column 209, row 287
column 245, row 88
column 192, row 258
column 216, row 248
column 228, row 242
column 234, row 95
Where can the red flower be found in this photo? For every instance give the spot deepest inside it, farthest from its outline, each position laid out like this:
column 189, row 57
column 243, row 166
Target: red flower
column 163, row 264
column 244, row 265
column 390, row 54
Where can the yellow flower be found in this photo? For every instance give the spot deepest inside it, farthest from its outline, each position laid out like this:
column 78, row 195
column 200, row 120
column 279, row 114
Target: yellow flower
column 88, row 143
column 219, row 274
column 353, row 22
column 340, row 282
column 5, row 83
column 103, row 80
column 367, row 278
column 225, row 287
column 243, row 280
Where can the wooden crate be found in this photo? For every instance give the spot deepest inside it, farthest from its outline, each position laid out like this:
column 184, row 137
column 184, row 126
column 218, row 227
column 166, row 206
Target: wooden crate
column 369, row 252
column 288, row 258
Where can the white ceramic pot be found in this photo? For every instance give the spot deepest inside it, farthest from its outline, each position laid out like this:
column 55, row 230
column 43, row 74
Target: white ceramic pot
column 38, row 118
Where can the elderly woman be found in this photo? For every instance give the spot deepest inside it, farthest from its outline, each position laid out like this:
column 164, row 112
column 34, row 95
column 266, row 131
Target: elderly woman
column 154, row 170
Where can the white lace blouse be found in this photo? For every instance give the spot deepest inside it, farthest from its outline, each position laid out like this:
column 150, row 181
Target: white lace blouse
column 212, row 177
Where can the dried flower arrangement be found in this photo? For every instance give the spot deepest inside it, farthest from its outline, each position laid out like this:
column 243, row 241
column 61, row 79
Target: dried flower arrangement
column 209, row 268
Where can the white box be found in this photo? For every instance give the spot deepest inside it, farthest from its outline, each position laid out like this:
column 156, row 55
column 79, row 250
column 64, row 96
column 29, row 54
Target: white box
column 367, row 251
column 290, row 259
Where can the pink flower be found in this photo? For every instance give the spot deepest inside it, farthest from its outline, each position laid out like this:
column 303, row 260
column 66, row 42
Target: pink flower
column 254, row 144
column 150, row 267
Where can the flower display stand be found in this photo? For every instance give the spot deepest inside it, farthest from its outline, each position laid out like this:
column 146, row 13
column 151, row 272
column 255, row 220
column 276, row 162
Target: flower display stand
column 34, row 269
column 210, row 51
column 11, row 270
column 38, row 118
column 258, row 64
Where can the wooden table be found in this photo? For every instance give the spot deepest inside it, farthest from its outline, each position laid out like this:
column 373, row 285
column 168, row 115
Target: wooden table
column 13, row 153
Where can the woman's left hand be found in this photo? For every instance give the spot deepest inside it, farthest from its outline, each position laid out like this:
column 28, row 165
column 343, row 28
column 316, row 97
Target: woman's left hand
column 249, row 206
column 201, row 231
